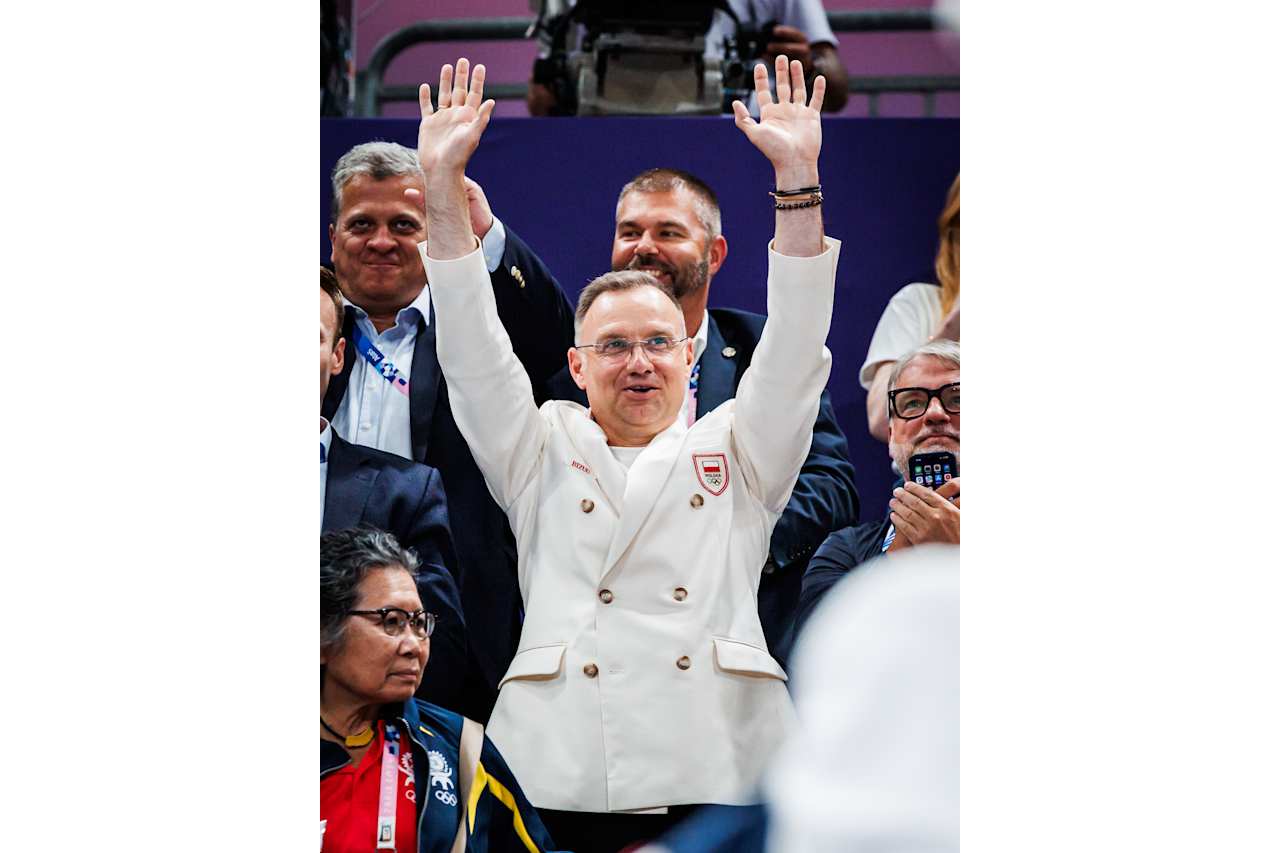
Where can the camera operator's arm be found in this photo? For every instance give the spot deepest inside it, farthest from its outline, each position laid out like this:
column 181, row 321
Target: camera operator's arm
column 817, row 58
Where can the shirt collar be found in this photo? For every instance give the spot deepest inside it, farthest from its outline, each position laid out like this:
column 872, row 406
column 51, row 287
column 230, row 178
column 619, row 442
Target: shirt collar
column 700, row 339
column 326, row 437
column 408, row 315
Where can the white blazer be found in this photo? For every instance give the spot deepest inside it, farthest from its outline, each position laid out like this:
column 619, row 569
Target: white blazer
column 642, row 678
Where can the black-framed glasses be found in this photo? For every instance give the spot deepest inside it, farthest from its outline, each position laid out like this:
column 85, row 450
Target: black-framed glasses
column 909, row 403
column 616, row 349
column 394, row 620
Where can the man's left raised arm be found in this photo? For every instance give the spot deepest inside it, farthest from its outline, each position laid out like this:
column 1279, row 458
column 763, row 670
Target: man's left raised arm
column 778, row 400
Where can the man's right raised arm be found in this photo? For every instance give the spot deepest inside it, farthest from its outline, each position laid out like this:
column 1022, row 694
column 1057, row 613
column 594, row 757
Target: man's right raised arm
column 489, row 391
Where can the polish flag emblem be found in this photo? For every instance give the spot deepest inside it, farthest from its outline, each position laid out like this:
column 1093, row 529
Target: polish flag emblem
column 712, row 470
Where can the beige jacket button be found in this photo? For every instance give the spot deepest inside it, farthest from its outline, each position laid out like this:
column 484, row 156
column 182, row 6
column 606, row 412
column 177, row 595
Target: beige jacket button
column 588, row 504
column 684, row 662
column 695, row 501
column 590, row 670
column 680, row 594
column 606, row 596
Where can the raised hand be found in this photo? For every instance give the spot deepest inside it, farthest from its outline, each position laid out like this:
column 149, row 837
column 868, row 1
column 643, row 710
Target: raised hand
column 789, row 132
column 448, row 135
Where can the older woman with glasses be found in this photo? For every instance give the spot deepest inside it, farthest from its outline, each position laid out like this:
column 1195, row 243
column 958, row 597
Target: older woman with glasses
column 397, row 773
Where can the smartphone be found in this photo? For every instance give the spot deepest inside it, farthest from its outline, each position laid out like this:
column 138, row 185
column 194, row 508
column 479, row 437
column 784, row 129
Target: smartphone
column 933, row 469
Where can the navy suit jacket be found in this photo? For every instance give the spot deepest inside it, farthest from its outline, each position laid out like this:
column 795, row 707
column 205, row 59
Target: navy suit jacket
column 842, row 552
column 824, row 498
column 406, row 499
column 539, row 320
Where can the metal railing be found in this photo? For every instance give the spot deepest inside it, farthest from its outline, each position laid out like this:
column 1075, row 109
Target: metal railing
column 372, row 93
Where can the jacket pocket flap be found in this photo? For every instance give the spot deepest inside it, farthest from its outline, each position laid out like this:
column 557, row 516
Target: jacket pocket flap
column 536, row 664
column 746, row 659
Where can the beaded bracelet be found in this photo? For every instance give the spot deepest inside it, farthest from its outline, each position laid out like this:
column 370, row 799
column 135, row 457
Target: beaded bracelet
column 814, row 201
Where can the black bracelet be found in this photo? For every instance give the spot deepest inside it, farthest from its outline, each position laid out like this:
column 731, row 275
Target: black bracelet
column 801, row 191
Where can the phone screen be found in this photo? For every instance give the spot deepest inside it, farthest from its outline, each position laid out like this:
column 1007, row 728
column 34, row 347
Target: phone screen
column 933, row 469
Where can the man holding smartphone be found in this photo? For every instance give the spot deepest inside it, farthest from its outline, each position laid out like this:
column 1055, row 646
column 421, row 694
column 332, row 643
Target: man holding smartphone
column 924, row 433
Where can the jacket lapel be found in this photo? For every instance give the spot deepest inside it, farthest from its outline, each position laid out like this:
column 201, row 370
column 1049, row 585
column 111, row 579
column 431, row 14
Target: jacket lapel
column 437, row 819
column 424, row 384
column 347, row 488
column 716, row 371
column 589, row 442
column 648, row 474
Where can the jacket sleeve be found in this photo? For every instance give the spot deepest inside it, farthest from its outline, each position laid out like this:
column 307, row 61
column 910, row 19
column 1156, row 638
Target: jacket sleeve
column 533, row 309
column 778, row 398
column 824, row 499
column 428, row 535
column 489, row 390
column 500, row 819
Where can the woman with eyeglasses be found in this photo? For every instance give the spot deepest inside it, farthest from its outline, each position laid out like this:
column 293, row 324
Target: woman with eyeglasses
column 397, row 773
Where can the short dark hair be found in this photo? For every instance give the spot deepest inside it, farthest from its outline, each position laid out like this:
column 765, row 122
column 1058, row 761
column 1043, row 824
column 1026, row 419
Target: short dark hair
column 616, row 281
column 329, row 284
column 664, row 180
column 346, row 558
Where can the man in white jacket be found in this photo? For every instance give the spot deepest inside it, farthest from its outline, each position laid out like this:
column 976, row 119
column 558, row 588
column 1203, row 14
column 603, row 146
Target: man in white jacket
column 642, row 681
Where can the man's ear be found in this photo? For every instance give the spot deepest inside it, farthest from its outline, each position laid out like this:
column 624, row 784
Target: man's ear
column 577, row 368
column 339, row 355
column 719, row 251
column 331, row 233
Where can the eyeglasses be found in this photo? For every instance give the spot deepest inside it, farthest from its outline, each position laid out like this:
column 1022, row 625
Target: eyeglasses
column 616, row 349
column 394, row 620
column 909, row 403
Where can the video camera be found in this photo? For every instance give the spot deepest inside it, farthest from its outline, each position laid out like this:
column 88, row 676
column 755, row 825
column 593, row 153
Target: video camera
column 645, row 58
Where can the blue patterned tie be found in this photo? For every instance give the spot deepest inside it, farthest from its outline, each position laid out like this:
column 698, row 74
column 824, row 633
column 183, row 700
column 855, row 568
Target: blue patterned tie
column 322, row 453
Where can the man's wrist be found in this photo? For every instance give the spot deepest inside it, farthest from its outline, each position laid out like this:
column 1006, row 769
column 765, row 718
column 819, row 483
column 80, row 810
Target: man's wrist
column 795, row 176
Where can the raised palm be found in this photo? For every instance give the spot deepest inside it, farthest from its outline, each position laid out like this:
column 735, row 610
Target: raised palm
column 449, row 133
column 789, row 131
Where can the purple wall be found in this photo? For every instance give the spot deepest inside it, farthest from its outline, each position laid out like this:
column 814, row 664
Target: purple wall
column 869, row 54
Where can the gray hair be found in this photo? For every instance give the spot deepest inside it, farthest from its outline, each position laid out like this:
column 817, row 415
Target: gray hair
column 706, row 207
column 943, row 350
column 616, row 281
column 378, row 160
column 346, row 559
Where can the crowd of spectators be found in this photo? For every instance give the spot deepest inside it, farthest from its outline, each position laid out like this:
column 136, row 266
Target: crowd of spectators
column 559, row 592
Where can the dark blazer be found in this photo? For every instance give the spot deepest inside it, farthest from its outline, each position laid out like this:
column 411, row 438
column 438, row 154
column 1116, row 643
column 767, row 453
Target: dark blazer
column 842, row 552
column 406, row 499
column 824, row 498
column 539, row 320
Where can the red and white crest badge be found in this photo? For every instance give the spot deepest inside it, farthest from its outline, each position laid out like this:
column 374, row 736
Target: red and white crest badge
column 713, row 471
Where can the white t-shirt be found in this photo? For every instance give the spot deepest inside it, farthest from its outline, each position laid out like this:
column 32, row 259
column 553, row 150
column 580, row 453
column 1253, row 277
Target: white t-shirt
column 911, row 317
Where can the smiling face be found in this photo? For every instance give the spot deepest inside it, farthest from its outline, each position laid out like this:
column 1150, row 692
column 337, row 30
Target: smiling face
column 367, row 667
column 937, row 429
column 375, row 243
column 660, row 233
column 639, row 395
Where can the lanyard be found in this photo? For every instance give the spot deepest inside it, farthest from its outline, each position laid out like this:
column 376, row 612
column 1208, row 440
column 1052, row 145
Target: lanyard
column 380, row 362
column 888, row 538
column 693, row 393
column 386, row 836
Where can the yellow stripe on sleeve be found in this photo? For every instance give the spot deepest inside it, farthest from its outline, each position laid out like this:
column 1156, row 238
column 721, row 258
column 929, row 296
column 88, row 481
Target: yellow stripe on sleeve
column 482, row 781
